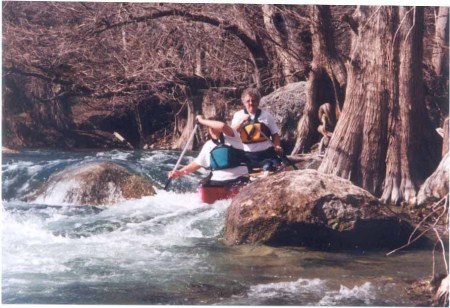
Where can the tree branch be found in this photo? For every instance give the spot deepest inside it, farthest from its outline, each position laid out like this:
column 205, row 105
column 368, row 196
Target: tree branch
column 225, row 25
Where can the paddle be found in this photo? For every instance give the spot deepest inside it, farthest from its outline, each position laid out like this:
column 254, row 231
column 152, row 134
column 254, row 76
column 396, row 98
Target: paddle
column 182, row 154
column 283, row 156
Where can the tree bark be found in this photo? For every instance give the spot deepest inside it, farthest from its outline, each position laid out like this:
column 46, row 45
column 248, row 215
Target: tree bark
column 440, row 50
column 278, row 30
column 328, row 76
column 445, row 143
column 181, row 141
column 384, row 140
column 193, row 89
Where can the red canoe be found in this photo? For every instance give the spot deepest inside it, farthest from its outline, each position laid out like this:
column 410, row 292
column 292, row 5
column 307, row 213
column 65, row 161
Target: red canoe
column 212, row 194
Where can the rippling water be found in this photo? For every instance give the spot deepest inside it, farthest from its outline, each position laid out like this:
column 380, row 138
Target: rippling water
column 167, row 249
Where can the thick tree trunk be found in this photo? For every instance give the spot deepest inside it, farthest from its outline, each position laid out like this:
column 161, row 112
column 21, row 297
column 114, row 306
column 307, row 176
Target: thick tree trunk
column 278, row 30
column 384, row 141
column 244, row 29
column 327, row 79
column 440, row 50
column 306, row 129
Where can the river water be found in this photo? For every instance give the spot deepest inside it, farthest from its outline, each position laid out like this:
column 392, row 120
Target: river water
column 167, row 248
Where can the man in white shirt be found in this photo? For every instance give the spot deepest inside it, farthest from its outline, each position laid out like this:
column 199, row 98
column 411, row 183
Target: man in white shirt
column 223, row 154
column 259, row 132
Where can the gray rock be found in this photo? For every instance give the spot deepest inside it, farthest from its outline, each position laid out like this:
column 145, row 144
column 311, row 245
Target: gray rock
column 308, row 208
column 94, row 183
column 286, row 105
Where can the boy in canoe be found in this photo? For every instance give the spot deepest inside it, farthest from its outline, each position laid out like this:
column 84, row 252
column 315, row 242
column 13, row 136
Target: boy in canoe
column 223, row 154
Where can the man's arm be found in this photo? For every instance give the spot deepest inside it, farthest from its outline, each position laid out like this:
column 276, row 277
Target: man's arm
column 276, row 139
column 277, row 142
column 238, row 122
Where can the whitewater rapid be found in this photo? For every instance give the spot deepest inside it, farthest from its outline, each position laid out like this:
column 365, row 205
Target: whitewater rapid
column 167, row 248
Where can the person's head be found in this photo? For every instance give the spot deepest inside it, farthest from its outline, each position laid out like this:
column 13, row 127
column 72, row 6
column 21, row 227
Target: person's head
column 215, row 134
column 250, row 98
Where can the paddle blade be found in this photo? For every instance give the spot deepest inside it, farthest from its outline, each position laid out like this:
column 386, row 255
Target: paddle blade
column 167, row 184
column 285, row 159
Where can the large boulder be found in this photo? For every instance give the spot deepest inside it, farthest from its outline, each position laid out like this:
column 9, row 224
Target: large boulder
column 94, row 183
column 286, row 104
column 436, row 186
column 308, row 208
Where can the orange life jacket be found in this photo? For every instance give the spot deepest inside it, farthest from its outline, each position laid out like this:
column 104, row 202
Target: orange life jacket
column 255, row 131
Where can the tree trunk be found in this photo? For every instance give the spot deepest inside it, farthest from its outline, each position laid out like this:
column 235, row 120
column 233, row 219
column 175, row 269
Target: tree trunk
column 440, row 50
column 278, row 30
column 137, row 114
column 384, row 140
column 181, row 141
column 194, row 101
column 200, row 62
column 445, row 143
column 436, row 185
column 327, row 79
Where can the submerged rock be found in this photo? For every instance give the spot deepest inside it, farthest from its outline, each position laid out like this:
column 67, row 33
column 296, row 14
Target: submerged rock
column 308, row 208
column 94, row 184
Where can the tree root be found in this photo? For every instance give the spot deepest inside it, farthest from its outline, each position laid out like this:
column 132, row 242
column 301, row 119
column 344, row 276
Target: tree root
column 439, row 208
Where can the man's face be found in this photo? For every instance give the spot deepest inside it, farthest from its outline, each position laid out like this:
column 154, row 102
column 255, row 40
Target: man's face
column 251, row 104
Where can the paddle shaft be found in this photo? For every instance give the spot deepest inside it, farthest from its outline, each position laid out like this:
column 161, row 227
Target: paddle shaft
column 182, row 154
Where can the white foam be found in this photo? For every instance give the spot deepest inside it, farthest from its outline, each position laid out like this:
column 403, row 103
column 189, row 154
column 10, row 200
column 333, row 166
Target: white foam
column 156, row 157
column 164, row 224
column 286, row 289
column 28, row 246
column 13, row 174
column 70, row 192
column 56, row 194
column 365, row 292
column 114, row 154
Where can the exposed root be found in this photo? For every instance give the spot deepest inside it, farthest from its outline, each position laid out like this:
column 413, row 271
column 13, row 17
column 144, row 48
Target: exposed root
column 409, row 191
column 440, row 298
column 391, row 192
column 436, row 207
column 437, row 215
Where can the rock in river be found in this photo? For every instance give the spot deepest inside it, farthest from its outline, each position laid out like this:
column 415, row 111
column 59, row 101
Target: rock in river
column 94, row 183
column 308, row 208
column 286, row 104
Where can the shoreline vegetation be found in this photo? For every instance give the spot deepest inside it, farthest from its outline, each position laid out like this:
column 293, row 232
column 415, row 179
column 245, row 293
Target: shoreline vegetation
column 360, row 93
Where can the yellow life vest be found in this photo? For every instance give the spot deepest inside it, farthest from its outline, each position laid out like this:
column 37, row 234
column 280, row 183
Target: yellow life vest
column 255, row 131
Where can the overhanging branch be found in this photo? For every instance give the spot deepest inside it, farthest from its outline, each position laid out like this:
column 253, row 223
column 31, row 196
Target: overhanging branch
column 250, row 43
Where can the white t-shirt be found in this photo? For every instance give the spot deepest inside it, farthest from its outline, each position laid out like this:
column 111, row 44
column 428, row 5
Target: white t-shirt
column 203, row 159
column 265, row 118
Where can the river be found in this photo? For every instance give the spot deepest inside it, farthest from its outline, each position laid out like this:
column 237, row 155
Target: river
column 167, row 248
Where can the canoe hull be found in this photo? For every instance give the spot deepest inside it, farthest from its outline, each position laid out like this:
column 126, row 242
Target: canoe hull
column 212, row 194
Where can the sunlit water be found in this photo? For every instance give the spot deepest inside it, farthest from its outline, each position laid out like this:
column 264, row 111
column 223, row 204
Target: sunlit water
column 167, row 249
